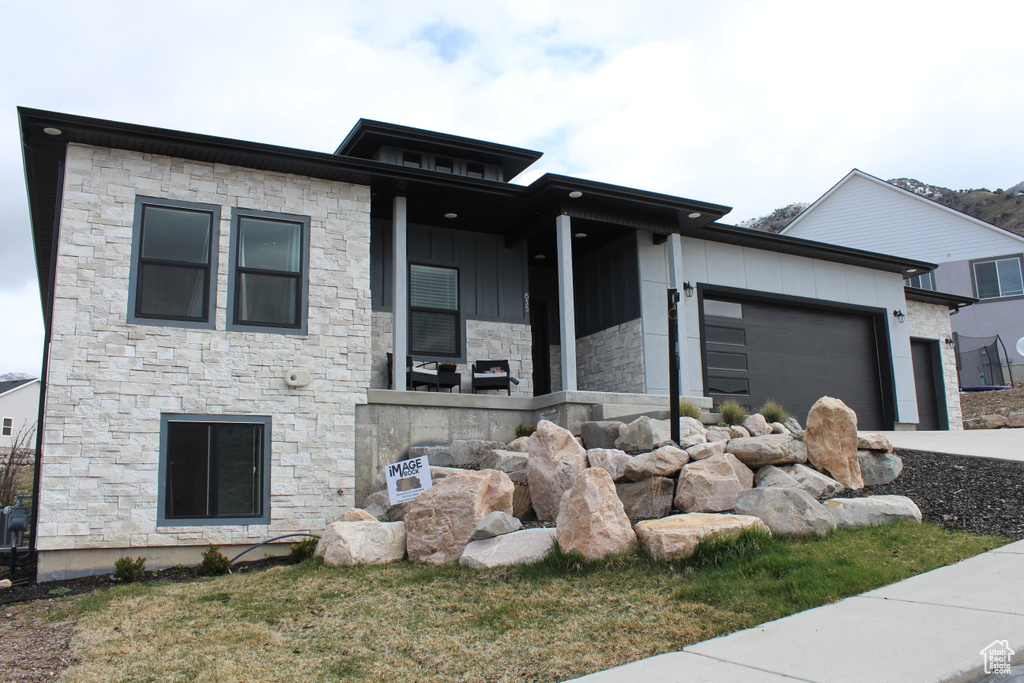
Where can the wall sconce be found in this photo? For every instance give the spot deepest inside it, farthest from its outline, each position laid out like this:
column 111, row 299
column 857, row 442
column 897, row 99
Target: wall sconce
column 949, row 342
column 899, row 315
column 688, row 289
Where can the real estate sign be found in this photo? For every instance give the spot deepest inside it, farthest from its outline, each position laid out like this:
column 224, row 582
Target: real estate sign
column 408, row 479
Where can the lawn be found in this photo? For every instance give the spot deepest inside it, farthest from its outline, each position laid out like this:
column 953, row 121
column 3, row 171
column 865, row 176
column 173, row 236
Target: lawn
column 548, row 622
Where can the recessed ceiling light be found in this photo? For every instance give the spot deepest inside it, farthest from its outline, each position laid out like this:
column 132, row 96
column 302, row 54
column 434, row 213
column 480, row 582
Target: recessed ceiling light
column 539, row 257
column 912, row 270
column 52, row 131
column 451, row 214
column 575, row 194
column 581, row 234
column 695, row 214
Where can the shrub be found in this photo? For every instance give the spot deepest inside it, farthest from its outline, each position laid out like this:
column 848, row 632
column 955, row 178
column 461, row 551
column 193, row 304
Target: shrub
column 731, row 412
column 128, row 570
column 688, row 408
column 214, row 562
column 773, row 411
column 525, row 430
column 303, row 550
column 13, row 461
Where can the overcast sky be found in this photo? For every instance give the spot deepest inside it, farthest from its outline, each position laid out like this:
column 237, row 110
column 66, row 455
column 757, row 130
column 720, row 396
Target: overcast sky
column 749, row 104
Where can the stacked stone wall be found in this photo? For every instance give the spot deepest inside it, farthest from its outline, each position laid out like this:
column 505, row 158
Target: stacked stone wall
column 612, row 359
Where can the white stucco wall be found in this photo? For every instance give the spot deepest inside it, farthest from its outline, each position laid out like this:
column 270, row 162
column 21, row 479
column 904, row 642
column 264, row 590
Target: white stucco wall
column 21, row 406
column 109, row 381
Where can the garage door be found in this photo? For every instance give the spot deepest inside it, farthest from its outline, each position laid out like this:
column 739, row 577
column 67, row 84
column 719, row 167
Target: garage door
column 755, row 351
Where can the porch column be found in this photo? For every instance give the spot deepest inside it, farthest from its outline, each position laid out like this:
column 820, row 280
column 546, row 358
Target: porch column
column 566, row 302
column 675, row 281
column 400, row 295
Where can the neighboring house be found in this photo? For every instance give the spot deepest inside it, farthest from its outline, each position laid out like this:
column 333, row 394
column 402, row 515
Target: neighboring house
column 975, row 259
column 218, row 315
column 19, row 409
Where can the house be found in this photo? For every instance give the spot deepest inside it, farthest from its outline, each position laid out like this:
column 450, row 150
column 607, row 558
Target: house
column 218, row 315
column 975, row 259
column 19, row 408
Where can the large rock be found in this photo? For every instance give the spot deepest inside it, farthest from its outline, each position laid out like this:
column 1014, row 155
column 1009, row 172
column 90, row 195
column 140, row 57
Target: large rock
column 363, row 542
column 778, row 428
column 706, row 450
column 495, row 524
column 879, row 467
column 555, row 460
column 441, row 519
column 715, row 434
column 509, row 462
column 712, row 484
column 989, row 422
column 812, row 481
column 1015, row 419
column 522, row 503
column 520, row 444
column 664, row 462
column 393, row 513
column 831, row 439
column 355, row 515
column 850, row 513
column 871, row 441
column 643, row 435
column 794, row 427
column 757, row 425
column 691, row 425
column 611, row 459
column 770, row 475
column 600, row 433
column 738, row 432
column 786, row 511
column 519, row 547
column 591, row 520
column 773, row 449
column 648, row 498
column 676, row 537
column 459, row 453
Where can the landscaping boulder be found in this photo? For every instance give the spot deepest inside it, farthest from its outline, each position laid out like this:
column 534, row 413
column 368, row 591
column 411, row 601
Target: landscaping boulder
column 611, row 459
column 363, row 542
column 794, row 427
column 778, row 428
column 770, row 475
column 879, row 467
column 786, row 511
column 355, row 515
column 509, row 462
column 591, row 520
column 495, row 524
column 647, row 498
column 757, row 425
column 522, row 503
column 773, row 449
column 459, row 453
column 690, row 425
column 738, row 432
column 712, row 484
column 850, row 513
column 987, row 422
column 600, row 433
column 716, row 434
column 394, row 513
column 555, row 460
column 812, row 481
column 871, row 441
column 519, row 547
column 831, row 439
column 676, row 537
column 691, row 440
column 520, row 444
column 1015, row 419
column 664, row 462
column 441, row 519
column 643, row 435
column 706, row 450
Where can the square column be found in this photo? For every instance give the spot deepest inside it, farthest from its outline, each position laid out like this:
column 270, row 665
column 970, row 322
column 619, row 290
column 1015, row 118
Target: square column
column 400, row 292
column 566, row 302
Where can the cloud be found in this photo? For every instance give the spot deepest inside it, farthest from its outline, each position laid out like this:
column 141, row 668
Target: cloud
column 22, row 342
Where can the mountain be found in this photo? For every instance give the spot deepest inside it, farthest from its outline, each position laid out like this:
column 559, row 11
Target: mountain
column 13, row 376
column 1002, row 208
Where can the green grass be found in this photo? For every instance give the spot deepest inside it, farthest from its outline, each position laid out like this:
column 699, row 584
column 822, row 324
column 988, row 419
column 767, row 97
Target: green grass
column 557, row 619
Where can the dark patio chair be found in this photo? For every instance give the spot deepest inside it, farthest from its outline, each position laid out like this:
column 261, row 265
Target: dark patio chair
column 419, row 375
column 492, row 374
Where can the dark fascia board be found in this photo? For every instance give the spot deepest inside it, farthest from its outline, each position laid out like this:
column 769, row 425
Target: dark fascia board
column 756, row 239
column 551, row 183
column 368, row 136
column 927, row 296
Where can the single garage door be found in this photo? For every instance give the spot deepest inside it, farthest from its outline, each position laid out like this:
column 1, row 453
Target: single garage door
column 756, row 350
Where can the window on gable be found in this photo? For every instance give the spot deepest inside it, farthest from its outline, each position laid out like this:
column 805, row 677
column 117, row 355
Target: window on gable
column 8, row 427
column 434, row 318
column 214, row 469
column 922, row 281
column 269, row 271
column 173, row 263
column 999, row 278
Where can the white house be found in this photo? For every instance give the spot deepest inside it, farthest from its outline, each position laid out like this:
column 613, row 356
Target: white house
column 19, row 409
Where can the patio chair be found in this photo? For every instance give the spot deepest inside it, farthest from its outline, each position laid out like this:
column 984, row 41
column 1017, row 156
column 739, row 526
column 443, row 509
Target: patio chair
column 419, row 375
column 492, row 374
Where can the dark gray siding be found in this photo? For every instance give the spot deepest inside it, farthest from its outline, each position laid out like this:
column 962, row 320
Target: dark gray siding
column 607, row 286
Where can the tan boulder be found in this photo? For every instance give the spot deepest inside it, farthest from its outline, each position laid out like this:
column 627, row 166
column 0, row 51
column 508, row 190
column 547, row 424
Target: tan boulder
column 664, row 462
column 676, row 537
column 757, row 425
column 1015, row 419
column 442, row 518
column 362, row 542
column 831, row 440
column 718, row 434
column 519, row 445
column 871, row 441
column 712, row 484
column 771, row 449
column 522, row 504
column 591, row 520
column 355, row 515
column 555, row 460
column 519, row 547
column 706, row 450
column 643, row 435
column 647, row 498
column 611, row 459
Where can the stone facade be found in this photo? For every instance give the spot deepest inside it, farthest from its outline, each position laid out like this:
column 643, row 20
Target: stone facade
column 380, row 347
column 110, row 381
column 931, row 321
column 612, row 359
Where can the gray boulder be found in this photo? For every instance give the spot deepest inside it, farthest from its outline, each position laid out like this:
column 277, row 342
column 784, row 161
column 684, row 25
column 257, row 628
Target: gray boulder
column 519, row 547
column 790, row 512
column 770, row 475
column 773, row 449
column 664, row 462
column 509, row 462
column 600, row 433
column 647, row 499
column 459, row 453
column 814, row 482
column 879, row 467
column 794, row 427
column 851, row 513
column 495, row 524
column 643, row 435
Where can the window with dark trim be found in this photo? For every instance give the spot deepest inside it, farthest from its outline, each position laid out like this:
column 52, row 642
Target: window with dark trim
column 922, row 281
column 8, row 427
column 269, row 271
column 434, row 316
column 998, row 278
column 174, row 264
column 214, row 469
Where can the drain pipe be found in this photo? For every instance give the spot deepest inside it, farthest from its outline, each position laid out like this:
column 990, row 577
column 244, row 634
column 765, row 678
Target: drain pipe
column 253, row 547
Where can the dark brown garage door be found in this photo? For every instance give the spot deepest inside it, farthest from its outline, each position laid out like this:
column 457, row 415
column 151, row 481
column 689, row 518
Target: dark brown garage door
column 755, row 351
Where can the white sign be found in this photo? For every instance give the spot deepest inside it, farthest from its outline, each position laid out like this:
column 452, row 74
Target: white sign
column 408, row 479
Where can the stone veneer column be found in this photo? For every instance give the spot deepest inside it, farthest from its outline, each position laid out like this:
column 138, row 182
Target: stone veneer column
column 566, row 302
column 400, row 289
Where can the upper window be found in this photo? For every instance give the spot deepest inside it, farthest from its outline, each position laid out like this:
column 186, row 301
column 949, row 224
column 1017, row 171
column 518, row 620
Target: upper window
column 922, row 281
column 434, row 319
column 8, row 427
column 173, row 263
column 214, row 469
column 269, row 261
column 998, row 278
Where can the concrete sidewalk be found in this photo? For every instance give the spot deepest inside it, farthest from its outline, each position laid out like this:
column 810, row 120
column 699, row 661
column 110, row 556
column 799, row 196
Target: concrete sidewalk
column 1007, row 444
column 928, row 628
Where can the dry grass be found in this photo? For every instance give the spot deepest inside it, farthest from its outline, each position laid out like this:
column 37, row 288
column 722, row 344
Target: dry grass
column 406, row 622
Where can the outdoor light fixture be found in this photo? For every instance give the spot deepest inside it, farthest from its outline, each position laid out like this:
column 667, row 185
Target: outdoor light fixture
column 52, row 131
column 575, row 194
column 911, row 270
column 451, row 214
column 949, row 342
column 581, row 235
column 539, row 257
column 899, row 315
column 695, row 214
column 688, row 289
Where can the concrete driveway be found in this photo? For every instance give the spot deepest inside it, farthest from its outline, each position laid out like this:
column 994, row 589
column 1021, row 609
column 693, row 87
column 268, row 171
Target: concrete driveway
column 1005, row 444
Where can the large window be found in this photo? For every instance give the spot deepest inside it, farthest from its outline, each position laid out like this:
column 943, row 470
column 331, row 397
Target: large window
column 214, row 469
column 434, row 318
column 269, row 271
column 998, row 278
column 173, row 263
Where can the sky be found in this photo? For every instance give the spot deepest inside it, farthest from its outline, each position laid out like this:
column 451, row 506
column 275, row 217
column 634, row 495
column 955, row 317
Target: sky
column 750, row 104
